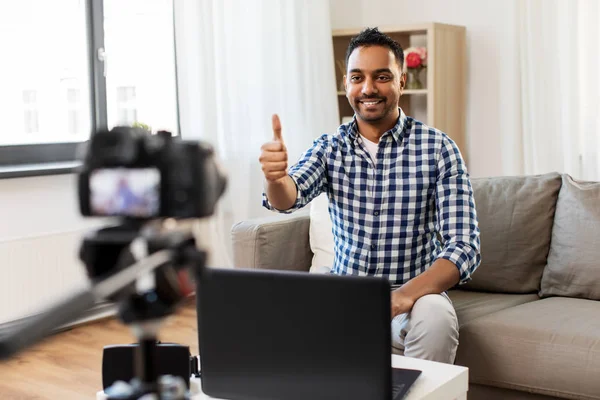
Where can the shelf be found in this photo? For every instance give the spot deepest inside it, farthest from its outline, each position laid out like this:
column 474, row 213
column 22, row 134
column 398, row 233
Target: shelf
column 418, row 91
column 406, row 29
column 411, row 29
column 415, row 91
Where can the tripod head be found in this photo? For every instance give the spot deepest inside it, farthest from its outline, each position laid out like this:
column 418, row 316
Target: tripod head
column 145, row 262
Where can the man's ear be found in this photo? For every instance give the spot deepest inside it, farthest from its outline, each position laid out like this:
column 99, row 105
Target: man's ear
column 345, row 84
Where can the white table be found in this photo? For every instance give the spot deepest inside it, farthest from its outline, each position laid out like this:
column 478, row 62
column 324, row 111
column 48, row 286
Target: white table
column 437, row 381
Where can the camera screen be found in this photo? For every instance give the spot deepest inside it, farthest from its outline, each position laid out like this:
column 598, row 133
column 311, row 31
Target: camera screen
column 125, row 192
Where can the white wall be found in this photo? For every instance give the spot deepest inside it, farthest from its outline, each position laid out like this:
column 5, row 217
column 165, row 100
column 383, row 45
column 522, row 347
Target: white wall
column 493, row 99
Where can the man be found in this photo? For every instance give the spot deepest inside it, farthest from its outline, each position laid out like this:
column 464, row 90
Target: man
column 393, row 184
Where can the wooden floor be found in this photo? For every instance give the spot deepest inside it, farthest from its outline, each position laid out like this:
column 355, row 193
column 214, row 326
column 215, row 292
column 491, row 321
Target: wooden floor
column 68, row 365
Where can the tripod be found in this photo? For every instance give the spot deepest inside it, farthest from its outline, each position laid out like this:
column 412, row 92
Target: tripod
column 147, row 272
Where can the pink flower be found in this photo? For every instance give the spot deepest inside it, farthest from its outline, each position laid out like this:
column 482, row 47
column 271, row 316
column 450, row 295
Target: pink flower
column 413, row 60
column 414, row 53
column 423, row 53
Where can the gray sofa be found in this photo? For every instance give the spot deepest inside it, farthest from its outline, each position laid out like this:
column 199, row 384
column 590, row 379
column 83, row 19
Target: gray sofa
column 530, row 317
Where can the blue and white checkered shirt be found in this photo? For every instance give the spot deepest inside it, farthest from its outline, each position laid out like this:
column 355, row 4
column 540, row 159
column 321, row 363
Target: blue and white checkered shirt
column 387, row 214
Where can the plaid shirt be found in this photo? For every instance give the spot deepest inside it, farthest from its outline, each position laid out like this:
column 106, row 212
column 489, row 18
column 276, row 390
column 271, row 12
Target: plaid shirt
column 387, row 215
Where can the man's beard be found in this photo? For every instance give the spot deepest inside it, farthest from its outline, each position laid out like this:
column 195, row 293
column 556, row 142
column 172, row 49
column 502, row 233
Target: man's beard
column 368, row 116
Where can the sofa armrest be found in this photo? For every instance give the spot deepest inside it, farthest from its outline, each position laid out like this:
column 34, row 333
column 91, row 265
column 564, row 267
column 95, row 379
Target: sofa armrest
column 279, row 242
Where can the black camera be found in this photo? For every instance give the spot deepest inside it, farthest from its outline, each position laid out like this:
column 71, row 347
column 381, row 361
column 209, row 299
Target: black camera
column 129, row 172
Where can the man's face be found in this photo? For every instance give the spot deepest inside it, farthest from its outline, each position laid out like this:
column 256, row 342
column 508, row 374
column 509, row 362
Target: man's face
column 374, row 83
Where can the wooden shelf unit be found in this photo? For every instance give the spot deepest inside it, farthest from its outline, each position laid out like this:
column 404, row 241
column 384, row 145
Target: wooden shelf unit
column 442, row 103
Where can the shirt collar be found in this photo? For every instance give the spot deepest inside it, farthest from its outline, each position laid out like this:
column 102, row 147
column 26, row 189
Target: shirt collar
column 397, row 131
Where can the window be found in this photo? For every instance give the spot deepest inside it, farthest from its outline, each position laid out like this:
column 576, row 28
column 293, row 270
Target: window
column 126, row 108
column 73, row 66
column 31, row 113
column 74, row 111
column 140, row 75
column 43, row 44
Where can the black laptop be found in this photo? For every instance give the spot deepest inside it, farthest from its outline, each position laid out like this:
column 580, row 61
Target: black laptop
column 294, row 335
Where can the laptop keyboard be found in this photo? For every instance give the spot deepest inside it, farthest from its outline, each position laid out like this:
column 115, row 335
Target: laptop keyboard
column 402, row 381
column 397, row 389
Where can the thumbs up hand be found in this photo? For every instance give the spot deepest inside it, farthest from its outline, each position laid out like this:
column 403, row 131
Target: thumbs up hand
column 273, row 157
column 276, row 128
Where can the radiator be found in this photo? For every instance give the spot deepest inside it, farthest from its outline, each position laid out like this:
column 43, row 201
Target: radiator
column 38, row 270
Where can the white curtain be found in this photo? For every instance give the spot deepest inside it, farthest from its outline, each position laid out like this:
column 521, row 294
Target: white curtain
column 560, row 88
column 238, row 62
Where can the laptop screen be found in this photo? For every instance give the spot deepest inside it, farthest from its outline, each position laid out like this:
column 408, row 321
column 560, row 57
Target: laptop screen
column 293, row 335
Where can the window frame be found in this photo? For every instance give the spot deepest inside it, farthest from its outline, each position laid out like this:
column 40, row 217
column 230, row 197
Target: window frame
column 23, row 160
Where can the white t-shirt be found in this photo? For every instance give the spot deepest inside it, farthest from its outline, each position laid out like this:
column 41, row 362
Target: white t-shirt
column 371, row 148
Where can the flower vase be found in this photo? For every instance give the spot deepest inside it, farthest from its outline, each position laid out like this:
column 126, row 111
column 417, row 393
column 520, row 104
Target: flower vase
column 414, row 83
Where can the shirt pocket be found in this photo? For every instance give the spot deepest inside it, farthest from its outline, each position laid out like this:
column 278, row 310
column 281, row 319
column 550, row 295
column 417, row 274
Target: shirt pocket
column 413, row 197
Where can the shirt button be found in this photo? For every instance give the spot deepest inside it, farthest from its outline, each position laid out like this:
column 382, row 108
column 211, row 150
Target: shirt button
column 376, row 213
column 373, row 246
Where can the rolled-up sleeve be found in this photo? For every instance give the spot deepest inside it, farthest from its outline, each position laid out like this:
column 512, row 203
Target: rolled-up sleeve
column 309, row 174
column 456, row 215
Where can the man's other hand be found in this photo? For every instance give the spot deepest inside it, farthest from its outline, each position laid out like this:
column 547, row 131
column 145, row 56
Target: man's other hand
column 401, row 303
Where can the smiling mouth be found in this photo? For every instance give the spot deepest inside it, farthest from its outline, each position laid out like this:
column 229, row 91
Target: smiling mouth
column 370, row 103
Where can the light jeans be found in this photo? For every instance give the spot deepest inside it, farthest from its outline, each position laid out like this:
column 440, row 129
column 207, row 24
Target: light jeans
column 429, row 331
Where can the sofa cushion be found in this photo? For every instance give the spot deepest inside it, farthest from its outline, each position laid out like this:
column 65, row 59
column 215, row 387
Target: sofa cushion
column 471, row 305
column 276, row 242
column 574, row 260
column 550, row 346
column 515, row 218
column 321, row 235
column 485, row 392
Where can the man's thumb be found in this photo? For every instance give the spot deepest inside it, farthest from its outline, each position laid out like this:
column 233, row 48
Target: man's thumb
column 276, row 128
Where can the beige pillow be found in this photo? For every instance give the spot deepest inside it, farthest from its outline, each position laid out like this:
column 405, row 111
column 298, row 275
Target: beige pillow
column 573, row 268
column 515, row 217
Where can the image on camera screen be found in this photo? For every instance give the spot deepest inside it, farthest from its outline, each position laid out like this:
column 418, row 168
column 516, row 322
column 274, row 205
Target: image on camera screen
column 125, row 192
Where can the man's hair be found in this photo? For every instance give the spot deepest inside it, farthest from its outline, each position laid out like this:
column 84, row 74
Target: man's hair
column 373, row 37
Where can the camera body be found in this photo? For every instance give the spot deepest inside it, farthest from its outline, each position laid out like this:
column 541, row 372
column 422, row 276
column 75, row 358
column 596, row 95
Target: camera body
column 129, row 172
